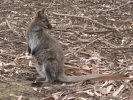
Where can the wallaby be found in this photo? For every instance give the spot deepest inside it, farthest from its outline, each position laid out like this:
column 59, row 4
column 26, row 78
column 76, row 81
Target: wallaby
column 48, row 52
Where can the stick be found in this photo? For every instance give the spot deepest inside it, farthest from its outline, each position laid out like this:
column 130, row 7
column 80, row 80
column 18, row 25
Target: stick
column 7, row 30
column 6, row 54
column 84, row 17
column 91, row 32
column 98, row 39
column 10, row 27
column 106, row 31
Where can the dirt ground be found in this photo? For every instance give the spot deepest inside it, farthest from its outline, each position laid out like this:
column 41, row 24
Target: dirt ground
column 96, row 36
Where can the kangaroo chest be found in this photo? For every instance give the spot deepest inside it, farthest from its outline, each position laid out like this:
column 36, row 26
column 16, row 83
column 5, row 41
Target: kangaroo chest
column 33, row 41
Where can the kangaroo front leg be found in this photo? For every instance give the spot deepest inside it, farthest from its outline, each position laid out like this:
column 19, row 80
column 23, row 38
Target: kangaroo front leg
column 41, row 72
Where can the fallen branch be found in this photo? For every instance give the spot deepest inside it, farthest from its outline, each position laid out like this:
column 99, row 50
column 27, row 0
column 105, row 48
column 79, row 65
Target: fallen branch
column 11, row 28
column 90, row 32
column 106, row 31
column 84, row 17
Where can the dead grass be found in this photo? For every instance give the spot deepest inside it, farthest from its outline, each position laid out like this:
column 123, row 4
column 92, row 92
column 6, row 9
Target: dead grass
column 97, row 36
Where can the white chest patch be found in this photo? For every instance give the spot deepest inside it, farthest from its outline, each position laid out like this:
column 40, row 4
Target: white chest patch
column 33, row 41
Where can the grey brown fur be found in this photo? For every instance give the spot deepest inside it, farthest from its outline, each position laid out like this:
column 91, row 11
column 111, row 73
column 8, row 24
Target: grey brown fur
column 48, row 52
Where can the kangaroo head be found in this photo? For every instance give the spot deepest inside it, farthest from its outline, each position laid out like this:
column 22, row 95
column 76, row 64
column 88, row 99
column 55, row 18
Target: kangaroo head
column 42, row 20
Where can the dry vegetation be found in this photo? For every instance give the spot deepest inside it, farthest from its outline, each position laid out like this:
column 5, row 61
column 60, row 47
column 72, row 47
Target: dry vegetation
column 96, row 35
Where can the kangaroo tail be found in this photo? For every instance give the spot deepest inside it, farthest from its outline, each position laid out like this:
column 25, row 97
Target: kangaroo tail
column 65, row 78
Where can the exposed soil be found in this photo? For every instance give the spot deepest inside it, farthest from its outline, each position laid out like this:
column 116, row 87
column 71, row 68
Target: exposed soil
column 96, row 36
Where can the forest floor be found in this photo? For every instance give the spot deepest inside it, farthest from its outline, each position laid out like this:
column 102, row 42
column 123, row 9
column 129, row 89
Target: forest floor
column 96, row 36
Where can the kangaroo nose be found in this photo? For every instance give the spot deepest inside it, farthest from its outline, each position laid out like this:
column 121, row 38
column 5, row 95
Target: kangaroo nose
column 49, row 26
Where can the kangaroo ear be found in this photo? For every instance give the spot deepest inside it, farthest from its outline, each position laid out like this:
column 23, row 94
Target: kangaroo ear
column 40, row 13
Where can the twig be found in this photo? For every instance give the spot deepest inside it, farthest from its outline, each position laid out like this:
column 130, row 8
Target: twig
column 5, row 11
column 86, row 41
column 4, row 39
column 3, row 81
column 75, row 90
column 68, row 65
column 98, row 39
column 92, row 32
column 118, row 48
column 110, row 44
column 6, row 54
column 106, row 31
column 84, row 17
column 118, row 7
column 18, row 97
column 1, row 32
column 10, row 27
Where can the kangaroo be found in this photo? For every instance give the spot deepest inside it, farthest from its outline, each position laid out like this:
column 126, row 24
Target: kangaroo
column 48, row 52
